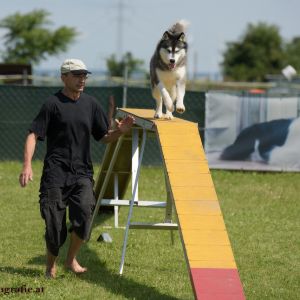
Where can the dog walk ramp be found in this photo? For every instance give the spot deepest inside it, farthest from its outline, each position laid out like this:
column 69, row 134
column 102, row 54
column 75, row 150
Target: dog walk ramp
column 205, row 241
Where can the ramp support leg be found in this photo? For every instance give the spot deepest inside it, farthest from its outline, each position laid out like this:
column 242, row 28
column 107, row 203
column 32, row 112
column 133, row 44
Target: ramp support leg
column 169, row 207
column 116, row 198
column 134, row 192
column 105, row 183
column 135, row 164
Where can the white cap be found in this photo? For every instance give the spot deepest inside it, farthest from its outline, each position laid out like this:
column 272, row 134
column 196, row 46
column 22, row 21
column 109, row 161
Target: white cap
column 73, row 65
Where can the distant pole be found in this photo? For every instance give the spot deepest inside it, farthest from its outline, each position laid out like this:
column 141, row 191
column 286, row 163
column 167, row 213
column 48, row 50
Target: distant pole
column 120, row 24
column 124, row 104
column 25, row 77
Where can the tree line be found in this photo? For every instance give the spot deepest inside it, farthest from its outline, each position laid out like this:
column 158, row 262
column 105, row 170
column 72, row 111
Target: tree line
column 261, row 50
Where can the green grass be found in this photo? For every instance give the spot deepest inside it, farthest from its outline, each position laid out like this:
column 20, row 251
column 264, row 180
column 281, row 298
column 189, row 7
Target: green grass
column 261, row 212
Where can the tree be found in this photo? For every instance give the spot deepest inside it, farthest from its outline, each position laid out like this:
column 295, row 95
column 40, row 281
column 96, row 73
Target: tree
column 117, row 68
column 259, row 52
column 28, row 40
column 292, row 53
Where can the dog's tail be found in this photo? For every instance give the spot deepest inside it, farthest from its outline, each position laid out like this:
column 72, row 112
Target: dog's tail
column 179, row 26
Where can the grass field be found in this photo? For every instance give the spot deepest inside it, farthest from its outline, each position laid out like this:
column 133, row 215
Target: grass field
column 261, row 212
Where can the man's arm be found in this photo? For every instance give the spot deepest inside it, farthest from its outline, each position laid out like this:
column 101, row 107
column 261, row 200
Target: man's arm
column 27, row 173
column 123, row 126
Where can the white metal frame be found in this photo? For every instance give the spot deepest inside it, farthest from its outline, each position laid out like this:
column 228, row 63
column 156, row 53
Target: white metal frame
column 136, row 168
column 137, row 156
column 105, row 182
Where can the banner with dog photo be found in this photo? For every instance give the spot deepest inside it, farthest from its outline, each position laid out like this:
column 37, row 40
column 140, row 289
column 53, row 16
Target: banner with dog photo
column 252, row 133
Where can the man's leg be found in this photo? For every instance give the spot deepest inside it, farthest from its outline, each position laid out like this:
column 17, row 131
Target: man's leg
column 51, row 265
column 81, row 204
column 53, row 212
column 71, row 261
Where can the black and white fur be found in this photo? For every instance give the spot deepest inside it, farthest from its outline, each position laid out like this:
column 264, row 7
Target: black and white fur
column 275, row 142
column 168, row 70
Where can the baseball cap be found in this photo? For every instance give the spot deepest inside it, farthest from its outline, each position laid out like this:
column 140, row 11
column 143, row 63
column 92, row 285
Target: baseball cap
column 75, row 66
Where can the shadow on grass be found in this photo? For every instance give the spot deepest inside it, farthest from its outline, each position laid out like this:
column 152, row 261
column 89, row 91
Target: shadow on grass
column 114, row 282
column 41, row 259
column 111, row 281
column 117, row 284
column 26, row 272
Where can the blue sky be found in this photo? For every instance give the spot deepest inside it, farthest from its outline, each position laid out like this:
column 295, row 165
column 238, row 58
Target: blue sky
column 212, row 24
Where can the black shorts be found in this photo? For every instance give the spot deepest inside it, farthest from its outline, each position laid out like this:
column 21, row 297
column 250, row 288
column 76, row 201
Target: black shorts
column 80, row 199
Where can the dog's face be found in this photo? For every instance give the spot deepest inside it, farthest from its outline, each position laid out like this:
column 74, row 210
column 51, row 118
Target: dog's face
column 172, row 48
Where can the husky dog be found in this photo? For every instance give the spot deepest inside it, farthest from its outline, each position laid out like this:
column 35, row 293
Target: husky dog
column 168, row 70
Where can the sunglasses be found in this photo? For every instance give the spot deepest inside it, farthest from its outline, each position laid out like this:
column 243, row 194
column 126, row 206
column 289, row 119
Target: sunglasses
column 79, row 75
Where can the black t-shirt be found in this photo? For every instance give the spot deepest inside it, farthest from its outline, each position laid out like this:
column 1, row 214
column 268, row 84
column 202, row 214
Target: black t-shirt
column 68, row 125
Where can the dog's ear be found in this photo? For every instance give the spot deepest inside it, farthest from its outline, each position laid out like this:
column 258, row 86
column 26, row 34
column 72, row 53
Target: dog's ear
column 181, row 37
column 165, row 36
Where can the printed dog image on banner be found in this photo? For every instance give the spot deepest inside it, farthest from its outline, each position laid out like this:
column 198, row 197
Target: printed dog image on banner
column 168, row 70
column 275, row 142
column 252, row 133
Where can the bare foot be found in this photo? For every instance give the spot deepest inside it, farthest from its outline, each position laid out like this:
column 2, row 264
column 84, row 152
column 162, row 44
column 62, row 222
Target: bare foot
column 75, row 267
column 50, row 272
column 50, row 265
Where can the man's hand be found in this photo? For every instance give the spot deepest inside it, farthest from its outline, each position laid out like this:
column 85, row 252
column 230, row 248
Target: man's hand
column 125, row 124
column 25, row 176
column 122, row 127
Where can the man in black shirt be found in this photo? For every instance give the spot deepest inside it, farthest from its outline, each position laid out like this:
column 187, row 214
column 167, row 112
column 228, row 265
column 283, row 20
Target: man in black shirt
column 68, row 119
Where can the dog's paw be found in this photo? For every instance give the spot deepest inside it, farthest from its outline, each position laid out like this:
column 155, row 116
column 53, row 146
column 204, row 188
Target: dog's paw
column 158, row 115
column 180, row 109
column 169, row 116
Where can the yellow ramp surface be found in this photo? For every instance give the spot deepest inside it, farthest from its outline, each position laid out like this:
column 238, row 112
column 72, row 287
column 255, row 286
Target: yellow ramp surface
column 199, row 215
column 204, row 237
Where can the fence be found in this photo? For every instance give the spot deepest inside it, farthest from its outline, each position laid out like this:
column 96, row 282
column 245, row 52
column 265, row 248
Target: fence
column 20, row 104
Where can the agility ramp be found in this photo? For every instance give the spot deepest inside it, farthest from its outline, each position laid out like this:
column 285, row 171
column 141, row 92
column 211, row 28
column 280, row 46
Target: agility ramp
column 190, row 188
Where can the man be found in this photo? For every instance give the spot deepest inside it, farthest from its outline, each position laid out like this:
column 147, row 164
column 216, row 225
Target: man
column 68, row 119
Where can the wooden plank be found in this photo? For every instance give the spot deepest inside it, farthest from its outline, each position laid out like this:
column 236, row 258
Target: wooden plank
column 209, row 252
column 182, row 147
column 217, row 284
column 212, row 264
column 202, row 222
column 171, row 140
column 149, row 115
column 165, row 123
column 141, row 113
column 186, row 155
column 187, row 166
column 216, row 235
column 194, row 193
column 181, row 131
column 201, row 207
column 179, row 179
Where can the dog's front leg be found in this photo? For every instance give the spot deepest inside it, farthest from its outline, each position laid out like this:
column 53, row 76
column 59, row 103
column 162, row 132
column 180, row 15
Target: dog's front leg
column 157, row 96
column 180, row 85
column 158, row 111
column 166, row 97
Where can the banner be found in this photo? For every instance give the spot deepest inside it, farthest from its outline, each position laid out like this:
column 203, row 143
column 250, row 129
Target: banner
column 252, row 133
